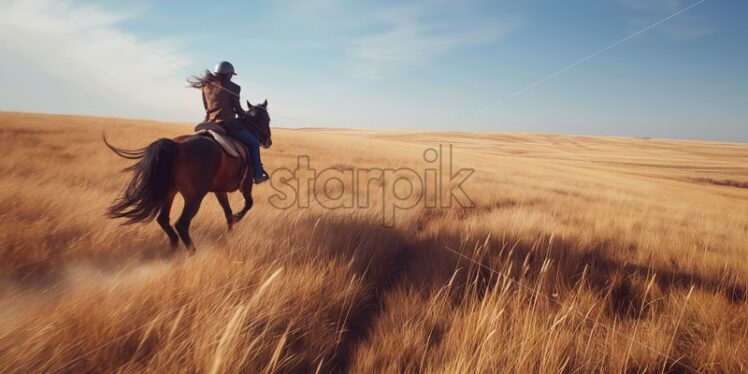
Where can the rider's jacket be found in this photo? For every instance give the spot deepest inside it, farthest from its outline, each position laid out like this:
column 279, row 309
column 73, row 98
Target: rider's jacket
column 221, row 101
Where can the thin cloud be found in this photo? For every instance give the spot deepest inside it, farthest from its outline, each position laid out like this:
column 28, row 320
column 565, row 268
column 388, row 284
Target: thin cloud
column 655, row 5
column 109, row 72
column 410, row 38
column 684, row 26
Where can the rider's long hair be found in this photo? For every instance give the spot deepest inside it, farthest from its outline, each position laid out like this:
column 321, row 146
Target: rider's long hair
column 206, row 79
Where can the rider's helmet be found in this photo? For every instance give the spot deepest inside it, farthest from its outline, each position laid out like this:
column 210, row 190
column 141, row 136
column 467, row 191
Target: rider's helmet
column 224, row 67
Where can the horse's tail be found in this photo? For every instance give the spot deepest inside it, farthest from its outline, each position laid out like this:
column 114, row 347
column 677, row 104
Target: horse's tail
column 131, row 154
column 150, row 182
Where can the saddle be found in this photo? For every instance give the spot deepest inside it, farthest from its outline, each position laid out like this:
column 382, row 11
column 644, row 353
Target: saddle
column 231, row 146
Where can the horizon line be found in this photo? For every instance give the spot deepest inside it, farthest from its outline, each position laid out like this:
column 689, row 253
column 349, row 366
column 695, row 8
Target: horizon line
column 318, row 127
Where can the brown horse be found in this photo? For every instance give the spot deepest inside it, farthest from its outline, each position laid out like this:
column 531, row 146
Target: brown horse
column 192, row 165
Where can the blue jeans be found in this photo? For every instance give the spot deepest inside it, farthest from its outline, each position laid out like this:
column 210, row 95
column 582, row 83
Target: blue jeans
column 254, row 148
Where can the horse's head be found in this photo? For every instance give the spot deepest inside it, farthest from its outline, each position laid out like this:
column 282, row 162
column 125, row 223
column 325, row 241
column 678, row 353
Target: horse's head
column 259, row 123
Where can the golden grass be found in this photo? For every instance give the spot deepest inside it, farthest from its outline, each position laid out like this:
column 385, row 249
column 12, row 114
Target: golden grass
column 624, row 233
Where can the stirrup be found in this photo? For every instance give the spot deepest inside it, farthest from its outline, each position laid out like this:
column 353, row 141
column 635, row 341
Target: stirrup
column 262, row 177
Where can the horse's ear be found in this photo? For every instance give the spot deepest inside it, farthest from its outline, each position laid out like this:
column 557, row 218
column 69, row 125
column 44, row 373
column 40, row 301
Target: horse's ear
column 265, row 104
column 248, row 104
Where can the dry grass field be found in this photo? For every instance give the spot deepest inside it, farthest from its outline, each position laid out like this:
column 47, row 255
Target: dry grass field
column 596, row 254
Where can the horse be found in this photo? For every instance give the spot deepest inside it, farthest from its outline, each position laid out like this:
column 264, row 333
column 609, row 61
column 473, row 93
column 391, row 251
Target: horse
column 192, row 165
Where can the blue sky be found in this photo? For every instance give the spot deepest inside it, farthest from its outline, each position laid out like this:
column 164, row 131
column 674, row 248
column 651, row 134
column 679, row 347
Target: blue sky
column 425, row 64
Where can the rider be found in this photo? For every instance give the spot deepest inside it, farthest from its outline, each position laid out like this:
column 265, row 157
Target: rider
column 221, row 101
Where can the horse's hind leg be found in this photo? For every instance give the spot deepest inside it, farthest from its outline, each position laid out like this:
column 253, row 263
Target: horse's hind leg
column 191, row 205
column 247, row 192
column 223, row 199
column 163, row 219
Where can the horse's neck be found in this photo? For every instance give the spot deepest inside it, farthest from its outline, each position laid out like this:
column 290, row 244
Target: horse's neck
column 251, row 125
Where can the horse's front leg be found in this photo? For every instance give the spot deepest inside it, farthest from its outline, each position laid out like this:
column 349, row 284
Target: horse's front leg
column 223, row 199
column 247, row 192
